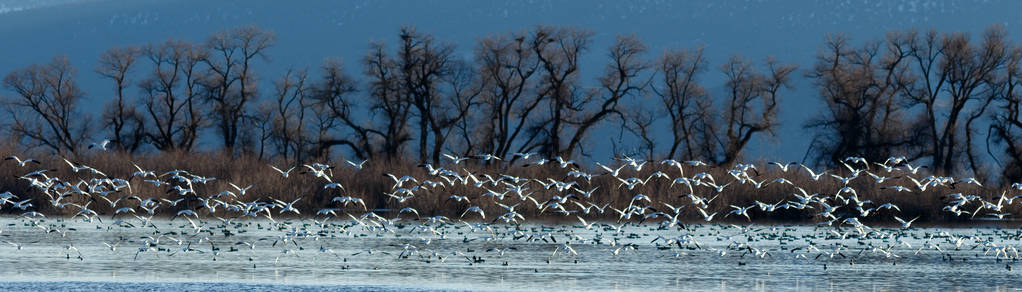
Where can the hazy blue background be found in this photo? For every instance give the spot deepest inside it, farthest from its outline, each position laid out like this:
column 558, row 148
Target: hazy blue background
column 308, row 32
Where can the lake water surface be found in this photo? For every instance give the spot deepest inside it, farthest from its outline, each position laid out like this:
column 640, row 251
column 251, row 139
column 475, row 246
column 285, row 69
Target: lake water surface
column 304, row 255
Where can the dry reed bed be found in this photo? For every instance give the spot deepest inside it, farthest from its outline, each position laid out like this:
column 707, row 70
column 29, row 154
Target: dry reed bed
column 371, row 184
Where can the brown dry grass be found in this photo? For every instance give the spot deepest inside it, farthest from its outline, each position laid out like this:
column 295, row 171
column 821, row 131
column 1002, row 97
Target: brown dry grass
column 371, row 185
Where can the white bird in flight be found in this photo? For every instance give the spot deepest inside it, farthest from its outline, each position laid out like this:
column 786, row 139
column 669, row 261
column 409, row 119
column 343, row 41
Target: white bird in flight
column 283, row 173
column 355, row 165
column 21, row 163
column 101, row 145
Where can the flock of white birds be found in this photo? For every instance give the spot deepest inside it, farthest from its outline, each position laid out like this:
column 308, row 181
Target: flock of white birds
column 572, row 203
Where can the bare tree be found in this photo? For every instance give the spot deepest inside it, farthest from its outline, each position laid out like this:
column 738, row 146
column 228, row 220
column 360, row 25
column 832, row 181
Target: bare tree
column 289, row 108
column 334, row 95
column 120, row 115
column 321, row 125
column 1006, row 125
column 742, row 116
column 266, row 129
column 684, row 100
column 639, row 122
column 423, row 65
column 967, row 62
column 50, row 96
column 171, row 95
column 231, row 79
column 620, row 80
column 924, row 95
column 559, row 51
column 953, row 77
column 861, row 89
column 462, row 89
column 386, row 90
column 383, row 129
column 506, row 65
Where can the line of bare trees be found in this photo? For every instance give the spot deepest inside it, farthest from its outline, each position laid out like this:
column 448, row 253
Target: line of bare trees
column 928, row 96
column 925, row 95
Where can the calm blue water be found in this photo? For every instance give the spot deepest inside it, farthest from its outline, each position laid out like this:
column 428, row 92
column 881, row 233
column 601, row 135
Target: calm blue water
column 185, row 286
column 347, row 257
